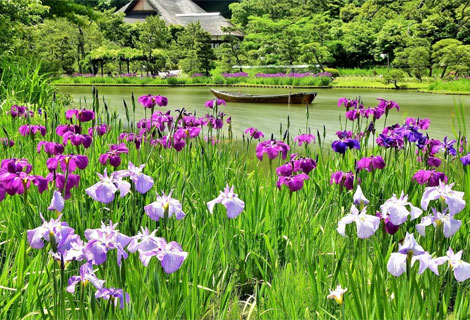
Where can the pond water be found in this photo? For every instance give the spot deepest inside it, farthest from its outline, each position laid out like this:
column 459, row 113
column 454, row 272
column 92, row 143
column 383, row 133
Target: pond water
column 267, row 117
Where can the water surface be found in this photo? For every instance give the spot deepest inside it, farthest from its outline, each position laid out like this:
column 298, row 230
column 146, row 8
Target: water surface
column 267, row 117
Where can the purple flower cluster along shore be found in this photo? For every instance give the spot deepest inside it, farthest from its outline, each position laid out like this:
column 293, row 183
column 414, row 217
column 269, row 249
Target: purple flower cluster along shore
column 98, row 198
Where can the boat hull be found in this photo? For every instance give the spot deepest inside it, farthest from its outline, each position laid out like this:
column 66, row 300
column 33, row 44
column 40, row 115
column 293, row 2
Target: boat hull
column 294, row 98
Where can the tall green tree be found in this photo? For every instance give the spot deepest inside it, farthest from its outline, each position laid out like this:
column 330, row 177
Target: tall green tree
column 195, row 50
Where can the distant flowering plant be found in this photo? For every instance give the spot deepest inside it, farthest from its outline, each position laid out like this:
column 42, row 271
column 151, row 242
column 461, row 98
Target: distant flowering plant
column 254, row 133
column 235, row 75
column 165, row 205
column 30, row 129
column 100, row 130
column 230, row 201
column 20, row 112
column 305, row 138
column 82, row 115
column 104, row 190
column 150, row 101
column 272, row 148
column 293, row 75
column 214, row 103
column 113, row 156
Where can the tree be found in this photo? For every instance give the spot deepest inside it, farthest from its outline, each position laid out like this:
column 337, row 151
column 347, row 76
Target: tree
column 153, row 35
column 451, row 54
column 196, row 53
column 393, row 76
column 231, row 50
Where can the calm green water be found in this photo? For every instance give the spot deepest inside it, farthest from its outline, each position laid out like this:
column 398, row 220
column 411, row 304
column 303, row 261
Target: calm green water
column 267, row 118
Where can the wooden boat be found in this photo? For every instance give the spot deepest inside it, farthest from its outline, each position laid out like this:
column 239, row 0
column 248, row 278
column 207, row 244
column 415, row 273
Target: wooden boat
column 293, row 98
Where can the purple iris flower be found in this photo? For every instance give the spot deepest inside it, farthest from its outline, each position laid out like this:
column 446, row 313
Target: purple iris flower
column 254, row 133
column 340, row 146
column 20, row 112
column 434, row 162
column 165, row 204
column 429, row 177
column 285, row 170
column 71, row 161
column 15, row 165
column 113, row 155
column 345, row 179
column 348, row 104
column 31, row 129
column 51, row 148
column 305, row 138
column 150, row 101
column 81, row 115
column 142, row 182
column 104, row 190
column 54, row 228
column 131, row 137
column 7, row 143
column 371, row 163
column 230, row 201
column 304, row 164
column 86, row 275
column 77, row 139
column 116, row 295
column 64, row 128
column 448, row 146
column 294, row 183
column 389, row 227
column 100, row 130
column 423, row 124
column 72, row 182
column 272, row 148
column 465, row 159
column 345, row 134
column 216, row 102
column 388, row 105
column 2, row 193
column 185, row 133
column 19, row 182
column 104, row 239
column 390, row 141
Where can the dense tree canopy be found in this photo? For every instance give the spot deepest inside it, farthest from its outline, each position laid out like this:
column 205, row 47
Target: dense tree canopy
column 69, row 36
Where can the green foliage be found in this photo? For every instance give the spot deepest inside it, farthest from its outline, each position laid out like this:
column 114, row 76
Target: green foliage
column 394, row 76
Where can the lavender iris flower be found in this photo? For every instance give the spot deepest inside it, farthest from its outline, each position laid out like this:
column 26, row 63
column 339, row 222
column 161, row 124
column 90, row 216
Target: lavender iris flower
column 345, row 179
column 359, row 199
column 86, row 275
column 294, row 183
column 7, row 143
column 116, row 295
column 366, row 224
column 60, row 231
column 396, row 209
column 408, row 250
column 337, row 294
column 57, row 202
column 142, row 182
column 114, row 154
column 30, row 129
column 104, row 190
column 454, row 199
column 101, row 240
column 230, row 201
column 465, row 159
column 305, row 138
column 165, row 203
column 449, row 224
column 461, row 268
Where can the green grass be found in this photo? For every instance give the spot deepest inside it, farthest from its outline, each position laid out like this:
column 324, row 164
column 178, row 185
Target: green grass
column 453, row 86
column 277, row 260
